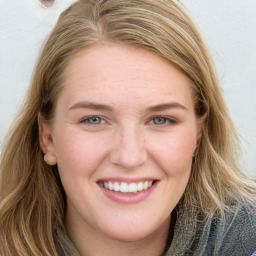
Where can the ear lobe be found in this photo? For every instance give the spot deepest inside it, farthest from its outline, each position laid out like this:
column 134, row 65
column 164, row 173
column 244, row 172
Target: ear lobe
column 46, row 141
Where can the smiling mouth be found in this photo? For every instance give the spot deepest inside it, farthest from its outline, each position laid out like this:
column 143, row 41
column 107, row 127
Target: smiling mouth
column 124, row 187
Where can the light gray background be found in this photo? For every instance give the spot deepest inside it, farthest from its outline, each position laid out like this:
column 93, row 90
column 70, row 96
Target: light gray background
column 229, row 28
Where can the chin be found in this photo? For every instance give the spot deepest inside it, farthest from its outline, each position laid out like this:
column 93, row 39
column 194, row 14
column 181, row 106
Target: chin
column 128, row 235
column 130, row 231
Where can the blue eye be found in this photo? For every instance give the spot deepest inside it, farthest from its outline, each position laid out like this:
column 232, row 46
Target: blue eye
column 94, row 120
column 160, row 120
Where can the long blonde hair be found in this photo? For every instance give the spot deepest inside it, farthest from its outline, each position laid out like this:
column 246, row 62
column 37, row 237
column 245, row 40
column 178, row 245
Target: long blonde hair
column 32, row 200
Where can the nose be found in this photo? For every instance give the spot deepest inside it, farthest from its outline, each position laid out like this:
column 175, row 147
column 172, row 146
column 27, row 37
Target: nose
column 129, row 151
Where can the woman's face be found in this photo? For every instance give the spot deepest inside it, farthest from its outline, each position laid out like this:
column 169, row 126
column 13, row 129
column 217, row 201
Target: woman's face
column 123, row 135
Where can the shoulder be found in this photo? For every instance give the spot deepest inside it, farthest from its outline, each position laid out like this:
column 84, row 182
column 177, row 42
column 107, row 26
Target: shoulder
column 236, row 235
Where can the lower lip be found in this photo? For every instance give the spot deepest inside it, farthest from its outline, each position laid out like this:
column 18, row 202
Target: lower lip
column 128, row 198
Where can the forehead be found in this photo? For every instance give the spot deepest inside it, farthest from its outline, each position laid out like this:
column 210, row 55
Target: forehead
column 107, row 70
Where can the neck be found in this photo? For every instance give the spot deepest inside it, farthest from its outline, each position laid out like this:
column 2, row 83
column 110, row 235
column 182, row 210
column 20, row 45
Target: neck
column 90, row 242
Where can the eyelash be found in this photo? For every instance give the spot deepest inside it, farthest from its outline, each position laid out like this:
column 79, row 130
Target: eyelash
column 85, row 120
column 167, row 120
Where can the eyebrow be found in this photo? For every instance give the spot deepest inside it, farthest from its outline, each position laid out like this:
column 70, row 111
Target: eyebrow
column 91, row 105
column 167, row 106
column 103, row 107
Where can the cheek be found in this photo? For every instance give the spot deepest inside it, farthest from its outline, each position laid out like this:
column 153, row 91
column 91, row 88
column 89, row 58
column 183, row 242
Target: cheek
column 79, row 154
column 174, row 152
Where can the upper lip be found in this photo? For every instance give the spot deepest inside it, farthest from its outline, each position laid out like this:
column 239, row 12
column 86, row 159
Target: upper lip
column 127, row 180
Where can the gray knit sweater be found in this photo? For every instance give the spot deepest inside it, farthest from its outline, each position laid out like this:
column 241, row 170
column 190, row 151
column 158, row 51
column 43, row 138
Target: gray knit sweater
column 194, row 236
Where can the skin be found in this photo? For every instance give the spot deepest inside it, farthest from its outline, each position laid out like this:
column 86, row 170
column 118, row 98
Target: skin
column 128, row 141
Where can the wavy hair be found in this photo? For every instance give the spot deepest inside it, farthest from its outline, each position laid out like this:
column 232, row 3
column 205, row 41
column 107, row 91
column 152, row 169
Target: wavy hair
column 32, row 200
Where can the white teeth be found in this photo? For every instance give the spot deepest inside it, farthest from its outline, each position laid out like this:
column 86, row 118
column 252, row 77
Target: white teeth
column 110, row 186
column 145, row 185
column 133, row 187
column 116, row 186
column 105, row 184
column 140, row 186
column 125, row 187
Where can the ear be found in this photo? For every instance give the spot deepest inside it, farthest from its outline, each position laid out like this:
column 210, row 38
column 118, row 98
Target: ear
column 46, row 141
column 200, row 126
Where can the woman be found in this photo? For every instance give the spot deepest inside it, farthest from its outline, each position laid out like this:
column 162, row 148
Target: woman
column 124, row 145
